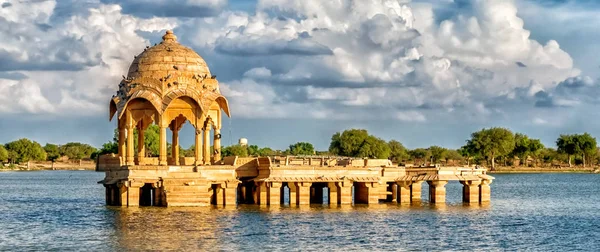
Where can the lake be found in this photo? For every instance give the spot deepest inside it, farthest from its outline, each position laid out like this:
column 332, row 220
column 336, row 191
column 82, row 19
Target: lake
column 64, row 210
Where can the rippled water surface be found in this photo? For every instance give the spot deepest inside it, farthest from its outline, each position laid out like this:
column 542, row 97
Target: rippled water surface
column 64, row 210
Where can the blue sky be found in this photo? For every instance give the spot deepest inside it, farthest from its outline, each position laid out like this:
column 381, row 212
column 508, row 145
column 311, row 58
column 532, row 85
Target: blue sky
column 422, row 72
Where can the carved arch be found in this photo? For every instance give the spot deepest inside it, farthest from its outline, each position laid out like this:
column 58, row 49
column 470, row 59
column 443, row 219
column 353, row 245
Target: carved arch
column 173, row 95
column 149, row 96
column 224, row 104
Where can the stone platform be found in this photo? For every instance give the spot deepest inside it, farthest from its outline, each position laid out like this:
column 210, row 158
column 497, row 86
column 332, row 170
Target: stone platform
column 266, row 181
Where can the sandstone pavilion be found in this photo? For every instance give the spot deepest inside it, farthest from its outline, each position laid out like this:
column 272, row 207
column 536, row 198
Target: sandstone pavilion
column 169, row 85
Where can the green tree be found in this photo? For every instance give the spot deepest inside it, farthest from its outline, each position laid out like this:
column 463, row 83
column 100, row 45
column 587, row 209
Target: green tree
column 358, row 143
column 263, row 152
column 301, row 148
column 253, row 150
column 76, row 150
column 418, row 155
column 374, row 147
column 3, row 154
column 24, row 150
column 437, row 153
column 52, row 152
column 587, row 146
column 493, row 142
column 453, row 155
column 234, row 150
column 521, row 149
column 566, row 144
column 398, row 152
column 535, row 149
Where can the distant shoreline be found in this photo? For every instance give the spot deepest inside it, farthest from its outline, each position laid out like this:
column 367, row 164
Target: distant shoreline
column 504, row 170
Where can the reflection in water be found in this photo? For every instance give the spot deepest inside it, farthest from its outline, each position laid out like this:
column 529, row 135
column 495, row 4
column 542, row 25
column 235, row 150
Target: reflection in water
column 65, row 211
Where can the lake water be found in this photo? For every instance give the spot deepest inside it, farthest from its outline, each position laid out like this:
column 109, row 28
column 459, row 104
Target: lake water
column 64, row 210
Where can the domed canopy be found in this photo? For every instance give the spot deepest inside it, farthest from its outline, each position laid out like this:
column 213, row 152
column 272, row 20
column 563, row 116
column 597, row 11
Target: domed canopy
column 168, row 57
column 165, row 72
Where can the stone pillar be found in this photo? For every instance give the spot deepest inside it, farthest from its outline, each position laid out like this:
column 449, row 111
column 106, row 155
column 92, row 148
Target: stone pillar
column 130, row 149
column 471, row 191
column 333, row 194
column 217, row 145
column 303, row 194
column 437, row 191
column 260, row 194
column 123, row 195
column 206, row 153
column 122, row 146
column 293, row 193
column 344, row 192
column 404, row 192
column 367, row 193
column 175, row 145
column 198, row 147
column 141, row 146
column 162, row 155
column 230, row 190
column 391, row 192
column 485, row 191
column 273, row 193
column 218, row 195
column 133, row 194
column 415, row 191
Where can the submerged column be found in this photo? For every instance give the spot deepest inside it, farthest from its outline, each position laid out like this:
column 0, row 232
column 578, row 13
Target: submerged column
column 404, row 192
column 471, row 191
column 230, row 190
column 485, row 191
column 303, row 194
column 415, row 191
column 260, row 194
column 293, row 193
column 437, row 191
column 344, row 192
column 133, row 193
column 333, row 194
column 274, row 193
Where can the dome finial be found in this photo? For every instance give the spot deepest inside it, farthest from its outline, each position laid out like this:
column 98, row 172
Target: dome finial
column 169, row 37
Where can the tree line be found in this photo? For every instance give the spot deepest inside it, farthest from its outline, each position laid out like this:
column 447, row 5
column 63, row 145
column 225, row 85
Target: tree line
column 25, row 150
column 486, row 147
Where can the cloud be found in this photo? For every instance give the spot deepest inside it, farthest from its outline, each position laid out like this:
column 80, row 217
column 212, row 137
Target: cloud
column 170, row 8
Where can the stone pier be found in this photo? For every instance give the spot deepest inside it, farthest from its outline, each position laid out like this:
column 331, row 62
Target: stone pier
column 437, row 191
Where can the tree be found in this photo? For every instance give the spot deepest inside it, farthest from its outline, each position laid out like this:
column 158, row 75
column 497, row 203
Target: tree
column 301, row 148
column 253, row 150
column 566, row 144
column 418, row 154
column 235, row 150
column 493, row 142
column 348, row 143
column 358, row 143
column 437, row 153
column 76, row 150
column 397, row 151
column 521, row 149
column 587, row 146
column 3, row 154
column 52, row 152
column 453, row 155
column 374, row 147
column 535, row 148
column 24, row 150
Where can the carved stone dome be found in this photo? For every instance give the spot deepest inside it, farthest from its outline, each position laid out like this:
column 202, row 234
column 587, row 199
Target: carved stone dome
column 168, row 57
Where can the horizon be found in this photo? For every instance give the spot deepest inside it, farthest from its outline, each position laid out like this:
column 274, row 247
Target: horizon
column 422, row 72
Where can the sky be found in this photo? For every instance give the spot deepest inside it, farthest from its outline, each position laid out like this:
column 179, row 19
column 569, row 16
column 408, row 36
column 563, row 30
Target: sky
column 424, row 72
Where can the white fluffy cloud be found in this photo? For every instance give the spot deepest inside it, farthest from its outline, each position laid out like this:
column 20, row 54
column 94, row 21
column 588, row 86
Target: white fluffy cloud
column 342, row 59
column 67, row 68
column 356, row 56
